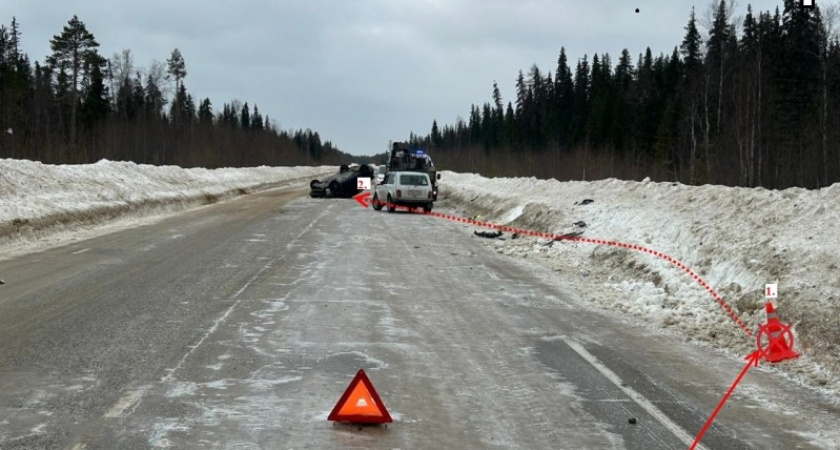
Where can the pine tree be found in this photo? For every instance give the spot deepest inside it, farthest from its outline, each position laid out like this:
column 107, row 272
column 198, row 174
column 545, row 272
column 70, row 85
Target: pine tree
column 71, row 49
column 177, row 68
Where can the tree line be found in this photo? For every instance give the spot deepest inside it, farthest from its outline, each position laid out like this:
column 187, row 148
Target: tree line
column 80, row 107
column 757, row 103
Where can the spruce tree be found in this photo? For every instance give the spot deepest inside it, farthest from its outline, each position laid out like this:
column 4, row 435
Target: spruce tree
column 245, row 117
column 691, row 45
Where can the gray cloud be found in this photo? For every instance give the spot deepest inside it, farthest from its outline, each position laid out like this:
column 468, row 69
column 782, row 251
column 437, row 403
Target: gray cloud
column 361, row 72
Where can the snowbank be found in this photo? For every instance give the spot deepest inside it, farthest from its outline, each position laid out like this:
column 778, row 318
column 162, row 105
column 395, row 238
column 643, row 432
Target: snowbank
column 737, row 239
column 38, row 199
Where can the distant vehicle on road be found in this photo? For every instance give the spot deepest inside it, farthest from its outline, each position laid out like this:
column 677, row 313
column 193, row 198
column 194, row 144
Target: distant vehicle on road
column 380, row 173
column 401, row 159
column 411, row 189
column 343, row 184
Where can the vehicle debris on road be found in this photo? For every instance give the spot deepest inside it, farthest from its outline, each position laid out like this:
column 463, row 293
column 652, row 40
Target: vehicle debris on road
column 488, row 234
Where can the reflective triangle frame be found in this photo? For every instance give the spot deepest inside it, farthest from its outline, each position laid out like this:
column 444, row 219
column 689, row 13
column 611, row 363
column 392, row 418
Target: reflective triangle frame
column 383, row 417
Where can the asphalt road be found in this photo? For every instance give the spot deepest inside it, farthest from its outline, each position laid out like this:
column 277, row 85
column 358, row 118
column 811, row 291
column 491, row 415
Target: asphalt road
column 240, row 324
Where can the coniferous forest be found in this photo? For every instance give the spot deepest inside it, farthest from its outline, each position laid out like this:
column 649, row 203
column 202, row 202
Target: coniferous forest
column 79, row 107
column 756, row 103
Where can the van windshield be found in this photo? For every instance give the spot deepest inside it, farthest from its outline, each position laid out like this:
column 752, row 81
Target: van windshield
column 414, row 180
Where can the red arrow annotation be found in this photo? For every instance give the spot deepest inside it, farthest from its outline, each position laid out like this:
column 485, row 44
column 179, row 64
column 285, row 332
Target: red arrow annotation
column 363, row 198
column 565, row 237
column 779, row 348
column 752, row 360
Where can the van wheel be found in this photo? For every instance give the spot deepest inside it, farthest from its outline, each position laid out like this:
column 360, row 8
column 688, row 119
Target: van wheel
column 428, row 207
column 391, row 206
column 377, row 205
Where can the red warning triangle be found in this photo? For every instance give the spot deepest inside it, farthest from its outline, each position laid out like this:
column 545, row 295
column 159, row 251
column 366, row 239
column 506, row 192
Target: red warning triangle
column 360, row 403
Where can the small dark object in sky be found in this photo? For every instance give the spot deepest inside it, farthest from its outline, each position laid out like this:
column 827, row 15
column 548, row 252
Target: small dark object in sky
column 632, row 420
column 637, row 10
column 585, row 201
column 581, row 224
column 488, row 234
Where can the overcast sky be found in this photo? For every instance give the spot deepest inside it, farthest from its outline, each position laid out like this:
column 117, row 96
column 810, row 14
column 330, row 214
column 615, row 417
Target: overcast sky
column 362, row 72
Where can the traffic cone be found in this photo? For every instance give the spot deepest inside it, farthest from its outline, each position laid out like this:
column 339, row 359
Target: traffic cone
column 778, row 348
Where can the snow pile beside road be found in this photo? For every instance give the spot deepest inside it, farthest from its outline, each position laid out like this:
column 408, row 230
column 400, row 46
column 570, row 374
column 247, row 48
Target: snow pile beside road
column 38, row 199
column 737, row 239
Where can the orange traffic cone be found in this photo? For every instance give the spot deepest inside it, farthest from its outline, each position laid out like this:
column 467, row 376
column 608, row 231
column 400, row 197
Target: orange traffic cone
column 778, row 349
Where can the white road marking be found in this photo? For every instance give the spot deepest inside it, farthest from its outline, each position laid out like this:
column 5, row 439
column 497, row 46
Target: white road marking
column 80, row 251
column 125, row 403
column 640, row 400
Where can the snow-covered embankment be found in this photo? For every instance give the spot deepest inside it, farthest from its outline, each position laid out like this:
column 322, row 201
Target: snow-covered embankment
column 737, row 239
column 40, row 199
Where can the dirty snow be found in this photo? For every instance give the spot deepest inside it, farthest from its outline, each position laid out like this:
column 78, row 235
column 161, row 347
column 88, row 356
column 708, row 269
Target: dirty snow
column 737, row 239
column 40, row 204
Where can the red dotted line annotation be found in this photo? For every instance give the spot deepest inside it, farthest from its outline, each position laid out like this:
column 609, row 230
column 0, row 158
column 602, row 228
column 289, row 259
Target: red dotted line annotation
column 636, row 247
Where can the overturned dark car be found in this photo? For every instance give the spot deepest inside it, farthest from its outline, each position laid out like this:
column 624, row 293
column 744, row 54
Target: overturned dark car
column 344, row 184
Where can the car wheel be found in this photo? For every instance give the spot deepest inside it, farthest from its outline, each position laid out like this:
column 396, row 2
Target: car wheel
column 391, row 206
column 377, row 205
column 428, row 207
